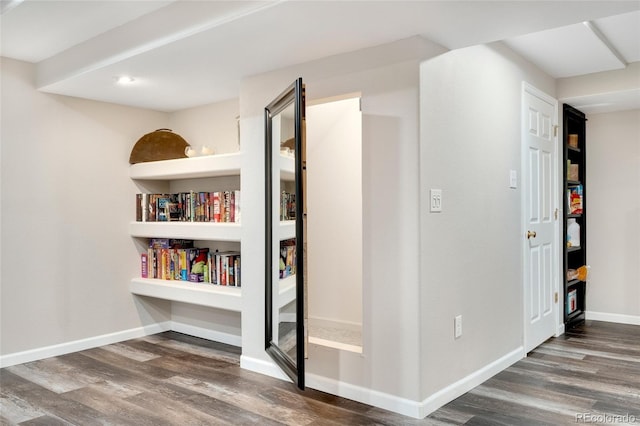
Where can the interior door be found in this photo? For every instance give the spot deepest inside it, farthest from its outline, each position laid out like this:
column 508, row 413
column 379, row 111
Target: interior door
column 540, row 216
column 285, row 236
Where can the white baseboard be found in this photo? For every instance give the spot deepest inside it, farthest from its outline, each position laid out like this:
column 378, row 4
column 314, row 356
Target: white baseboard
column 407, row 407
column 267, row 368
column 372, row 397
column 451, row 392
column 108, row 339
column 205, row 333
column 82, row 344
column 619, row 318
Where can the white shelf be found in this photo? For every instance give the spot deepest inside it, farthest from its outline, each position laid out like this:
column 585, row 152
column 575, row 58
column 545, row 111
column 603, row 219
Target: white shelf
column 186, row 168
column 287, row 168
column 214, row 296
column 287, row 293
column 287, row 230
column 203, row 294
column 187, row 230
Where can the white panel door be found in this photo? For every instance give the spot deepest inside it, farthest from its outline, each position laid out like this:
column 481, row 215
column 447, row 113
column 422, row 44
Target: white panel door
column 540, row 216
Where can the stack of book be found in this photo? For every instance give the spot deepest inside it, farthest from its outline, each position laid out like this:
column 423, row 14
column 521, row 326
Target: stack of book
column 175, row 259
column 218, row 206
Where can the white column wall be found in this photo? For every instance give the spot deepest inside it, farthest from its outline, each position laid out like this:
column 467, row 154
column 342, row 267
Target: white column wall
column 470, row 254
column 385, row 374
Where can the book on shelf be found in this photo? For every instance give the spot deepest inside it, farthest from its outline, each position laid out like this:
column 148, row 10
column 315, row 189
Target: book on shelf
column 178, row 260
column 287, row 206
column 198, row 258
column 216, row 206
column 225, row 268
column 287, row 258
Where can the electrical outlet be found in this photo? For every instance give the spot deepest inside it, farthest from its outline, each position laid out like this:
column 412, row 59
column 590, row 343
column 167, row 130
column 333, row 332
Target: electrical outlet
column 435, row 196
column 457, row 326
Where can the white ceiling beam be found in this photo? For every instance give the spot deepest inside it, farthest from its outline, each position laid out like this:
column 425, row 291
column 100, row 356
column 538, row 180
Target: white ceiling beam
column 596, row 31
column 7, row 5
column 167, row 25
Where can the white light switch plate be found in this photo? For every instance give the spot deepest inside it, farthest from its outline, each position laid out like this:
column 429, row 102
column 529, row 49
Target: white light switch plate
column 435, row 195
column 513, row 179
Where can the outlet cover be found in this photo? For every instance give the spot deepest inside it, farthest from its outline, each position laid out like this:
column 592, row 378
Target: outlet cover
column 457, row 326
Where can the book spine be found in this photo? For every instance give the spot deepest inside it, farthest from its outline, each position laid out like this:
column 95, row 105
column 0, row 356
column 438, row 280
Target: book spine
column 216, row 206
column 192, row 196
column 183, row 265
column 237, row 206
column 145, row 207
column 144, row 265
column 227, row 204
column 138, row 207
column 232, row 206
column 237, row 268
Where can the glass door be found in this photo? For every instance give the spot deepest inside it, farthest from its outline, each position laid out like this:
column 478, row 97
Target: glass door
column 285, row 238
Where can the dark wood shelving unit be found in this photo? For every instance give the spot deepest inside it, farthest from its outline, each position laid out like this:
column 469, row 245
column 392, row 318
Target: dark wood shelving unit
column 574, row 123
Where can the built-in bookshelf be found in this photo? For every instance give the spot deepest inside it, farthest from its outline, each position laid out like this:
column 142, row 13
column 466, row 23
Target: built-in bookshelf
column 200, row 171
column 575, row 215
column 209, row 232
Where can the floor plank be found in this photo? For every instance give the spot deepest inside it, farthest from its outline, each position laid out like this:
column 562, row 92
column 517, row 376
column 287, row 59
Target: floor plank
column 175, row 379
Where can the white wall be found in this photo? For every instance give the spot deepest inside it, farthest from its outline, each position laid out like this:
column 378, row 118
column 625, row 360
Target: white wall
column 385, row 374
column 334, row 207
column 67, row 258
column 214, row 125
column 470, row 254
column 613, row 216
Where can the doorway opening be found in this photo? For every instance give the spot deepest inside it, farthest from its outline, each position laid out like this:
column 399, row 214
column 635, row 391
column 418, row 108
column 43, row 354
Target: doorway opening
column 334, row 223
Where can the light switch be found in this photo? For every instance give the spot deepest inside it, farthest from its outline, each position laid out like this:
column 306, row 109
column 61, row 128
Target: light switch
column 513, row 179
column 435, row 195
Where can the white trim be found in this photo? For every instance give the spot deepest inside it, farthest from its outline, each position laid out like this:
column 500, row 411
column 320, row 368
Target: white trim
column 335, row 345
column 82, row 344
column 407, row 407
column 267, row 368
column 559, row 330
column 205, row 333
column 287, row 317
column 453, row 391
column 367, row 396
column 617, row 318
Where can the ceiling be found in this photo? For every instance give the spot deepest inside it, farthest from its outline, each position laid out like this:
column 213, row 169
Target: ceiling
column 185, row 53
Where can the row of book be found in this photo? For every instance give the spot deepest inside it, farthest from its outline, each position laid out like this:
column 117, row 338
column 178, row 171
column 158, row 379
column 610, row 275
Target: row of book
column 179, row 260
column 287, row 206
column 218, row 206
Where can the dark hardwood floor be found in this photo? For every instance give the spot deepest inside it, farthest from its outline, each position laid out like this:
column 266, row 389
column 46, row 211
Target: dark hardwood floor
column 591, row 374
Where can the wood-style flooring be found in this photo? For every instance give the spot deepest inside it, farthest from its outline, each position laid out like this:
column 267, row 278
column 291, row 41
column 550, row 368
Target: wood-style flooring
column 591, row 374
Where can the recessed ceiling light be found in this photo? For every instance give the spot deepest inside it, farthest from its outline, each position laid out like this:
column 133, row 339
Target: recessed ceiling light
column 124, row 80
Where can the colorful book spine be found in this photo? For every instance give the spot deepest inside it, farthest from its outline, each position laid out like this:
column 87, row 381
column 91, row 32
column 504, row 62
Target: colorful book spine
column 144, row 265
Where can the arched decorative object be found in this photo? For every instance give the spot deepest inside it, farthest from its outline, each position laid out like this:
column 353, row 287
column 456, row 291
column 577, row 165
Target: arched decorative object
column 161, row 144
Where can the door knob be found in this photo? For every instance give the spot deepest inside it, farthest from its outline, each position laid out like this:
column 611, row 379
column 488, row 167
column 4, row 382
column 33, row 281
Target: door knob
column 531, row 234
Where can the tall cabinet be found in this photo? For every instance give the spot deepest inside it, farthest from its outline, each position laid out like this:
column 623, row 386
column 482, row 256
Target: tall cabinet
column 575, row 214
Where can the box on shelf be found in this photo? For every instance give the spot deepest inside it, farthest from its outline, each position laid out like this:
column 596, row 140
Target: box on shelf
column 572, row 301
column 575, row 199
column 574, row 172
column 573, row 140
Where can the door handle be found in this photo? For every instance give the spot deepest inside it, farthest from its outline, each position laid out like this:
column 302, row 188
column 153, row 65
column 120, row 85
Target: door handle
column 531, row 234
